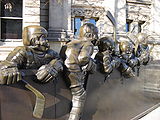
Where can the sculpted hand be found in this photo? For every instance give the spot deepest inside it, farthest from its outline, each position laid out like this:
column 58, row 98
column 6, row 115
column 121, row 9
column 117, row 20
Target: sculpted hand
column 133, row 62
column 46, row 73
column 9, row 73
column 116, row 62
column 90, row 67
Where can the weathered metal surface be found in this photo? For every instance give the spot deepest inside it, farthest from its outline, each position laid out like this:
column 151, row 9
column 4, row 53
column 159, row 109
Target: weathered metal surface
column 17, row 102
column 117, row 99
column 113, row 100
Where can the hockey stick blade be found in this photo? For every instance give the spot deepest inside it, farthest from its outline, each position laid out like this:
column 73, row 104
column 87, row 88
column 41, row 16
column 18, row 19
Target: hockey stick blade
column 40, row 101
column 111, row 18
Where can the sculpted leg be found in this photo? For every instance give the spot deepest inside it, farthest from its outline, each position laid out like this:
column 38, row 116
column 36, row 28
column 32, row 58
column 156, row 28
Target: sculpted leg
column 78, row 100
column 78, row 95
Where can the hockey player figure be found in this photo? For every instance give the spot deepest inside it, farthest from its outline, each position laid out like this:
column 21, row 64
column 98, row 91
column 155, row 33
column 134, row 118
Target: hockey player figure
column 128, row 60
column 106, row 58
column 35, row 54
column 78, row 62
column 143, row 52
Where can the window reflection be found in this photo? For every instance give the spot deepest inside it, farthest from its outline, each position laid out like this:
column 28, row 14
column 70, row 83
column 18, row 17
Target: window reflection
column 11, row 29
column 15, row 11
column 11, row 19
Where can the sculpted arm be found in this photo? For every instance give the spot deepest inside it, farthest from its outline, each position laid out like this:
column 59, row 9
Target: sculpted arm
column 18, row 57
column 71, row 61
column 85, row 54
column 50, row 71
column 85, row 60
column 9, row 72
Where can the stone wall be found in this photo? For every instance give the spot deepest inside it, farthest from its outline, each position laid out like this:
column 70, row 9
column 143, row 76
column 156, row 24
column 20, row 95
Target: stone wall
column 38, row 10
column 7, row 47
column 139, row 13
column 31, row 12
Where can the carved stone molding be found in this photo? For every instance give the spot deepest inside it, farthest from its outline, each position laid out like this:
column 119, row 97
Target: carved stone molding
column 145, row 2
column 87, row 12
column 138, row 12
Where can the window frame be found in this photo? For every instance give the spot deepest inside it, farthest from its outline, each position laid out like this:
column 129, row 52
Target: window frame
column 11, row 18
column 128, row 23
column 82, row 22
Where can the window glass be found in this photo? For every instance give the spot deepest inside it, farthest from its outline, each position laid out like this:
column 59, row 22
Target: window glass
column 93, row 21
column 127, row 27
column 11, row 8
column 77, row 25
column 11, row 19
column 11, row 29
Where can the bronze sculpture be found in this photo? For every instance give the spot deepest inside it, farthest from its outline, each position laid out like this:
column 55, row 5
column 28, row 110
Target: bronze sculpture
column 127, row 59
column 35, row 54
column 106, row 58
column 133, row 55
column 143, row 51
column 78, row 63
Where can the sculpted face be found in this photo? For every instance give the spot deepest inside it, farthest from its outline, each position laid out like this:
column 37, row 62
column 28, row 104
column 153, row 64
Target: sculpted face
column 40, row 43
column 127, row 56
column 126, row 49
column 106, row 43
column 35, row 37
column 142, row 38
column 89, row 32
column 94, row 37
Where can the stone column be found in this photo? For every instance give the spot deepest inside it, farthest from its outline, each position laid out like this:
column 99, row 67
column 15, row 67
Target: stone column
column 72, row 24
column 155, row 19
column 120, row 14
column 155, row 28
column 31, row 12
column 59, row 22
column 0, row 24
column 118, row 9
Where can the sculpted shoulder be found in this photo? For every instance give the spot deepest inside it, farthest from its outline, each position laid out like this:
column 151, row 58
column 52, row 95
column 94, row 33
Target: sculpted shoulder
column 53, row 53
column 79, row 43
column 18, row 50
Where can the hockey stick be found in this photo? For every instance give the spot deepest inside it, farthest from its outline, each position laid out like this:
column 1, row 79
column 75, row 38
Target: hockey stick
column 40, row 100
column 113, row 21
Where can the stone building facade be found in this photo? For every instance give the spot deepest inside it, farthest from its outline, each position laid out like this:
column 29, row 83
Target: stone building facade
column 62, row 18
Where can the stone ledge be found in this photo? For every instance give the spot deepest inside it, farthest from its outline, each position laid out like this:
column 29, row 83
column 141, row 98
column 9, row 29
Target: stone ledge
column 57, row 35
column 145, row 2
